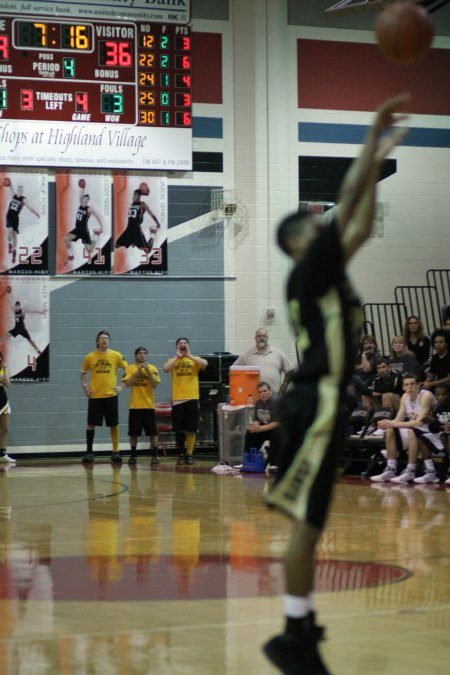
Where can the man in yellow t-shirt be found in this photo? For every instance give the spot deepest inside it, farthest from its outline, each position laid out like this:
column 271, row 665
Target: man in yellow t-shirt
column 102, row 389
column 184, row 369
column 142, row 378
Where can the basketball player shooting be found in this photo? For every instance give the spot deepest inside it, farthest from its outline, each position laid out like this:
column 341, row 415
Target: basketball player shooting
column 17, row 203
column 81, row 230
column 327, row 319
column 19, row 329
column 133, row 234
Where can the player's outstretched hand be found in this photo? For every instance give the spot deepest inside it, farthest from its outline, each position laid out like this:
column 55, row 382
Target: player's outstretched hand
column 387, row 116
column 388, row 112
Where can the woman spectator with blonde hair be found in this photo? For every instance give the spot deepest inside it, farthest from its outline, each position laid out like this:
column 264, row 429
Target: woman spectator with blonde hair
column 401, row 358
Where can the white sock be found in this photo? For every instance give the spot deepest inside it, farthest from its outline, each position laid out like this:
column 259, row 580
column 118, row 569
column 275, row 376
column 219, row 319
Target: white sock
column 411, row 467
column 429, row 465
column 296, row 607
column 392, row 464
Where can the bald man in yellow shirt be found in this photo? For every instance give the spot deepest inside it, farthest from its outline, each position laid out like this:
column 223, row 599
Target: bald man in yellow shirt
column 142, row 378
column 184, row 369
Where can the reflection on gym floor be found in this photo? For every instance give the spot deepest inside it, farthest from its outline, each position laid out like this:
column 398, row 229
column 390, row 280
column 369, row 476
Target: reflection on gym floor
column 177, row 570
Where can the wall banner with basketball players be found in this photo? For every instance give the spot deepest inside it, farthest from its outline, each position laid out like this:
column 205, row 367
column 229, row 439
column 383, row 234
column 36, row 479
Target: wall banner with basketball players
column 24, row 327
column 140, row 225
column 83, row 223
column 24, row 227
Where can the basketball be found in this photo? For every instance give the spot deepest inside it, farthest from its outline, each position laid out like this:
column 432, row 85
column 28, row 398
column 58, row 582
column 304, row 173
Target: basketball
column 8, row 289
column 145, row 190
column 6, row 181
column 82, row 183
column 404, row 32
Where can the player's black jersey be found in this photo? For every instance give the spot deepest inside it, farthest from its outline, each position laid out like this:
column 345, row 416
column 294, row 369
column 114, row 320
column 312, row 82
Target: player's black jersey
column 82, row 217
column 325, row 311
column 19, row 318
column 135, row 215
column 15, row 207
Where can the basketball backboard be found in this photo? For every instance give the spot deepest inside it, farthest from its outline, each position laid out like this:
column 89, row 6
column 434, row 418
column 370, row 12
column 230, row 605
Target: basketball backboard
column 345, row 5
column 348, row 5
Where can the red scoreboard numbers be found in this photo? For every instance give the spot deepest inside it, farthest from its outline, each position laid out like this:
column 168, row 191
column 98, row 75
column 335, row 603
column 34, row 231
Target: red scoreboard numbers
column 164, row 62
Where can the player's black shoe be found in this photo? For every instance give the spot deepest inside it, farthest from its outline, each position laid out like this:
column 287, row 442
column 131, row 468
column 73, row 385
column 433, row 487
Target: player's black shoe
column 298, row 654
column 116, row 458
column 88, row 458
column 132, row 459
column 181, row 460
column 155, row 459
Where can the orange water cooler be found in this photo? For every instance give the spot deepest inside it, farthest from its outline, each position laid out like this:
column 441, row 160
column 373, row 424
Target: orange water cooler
column 244, row 382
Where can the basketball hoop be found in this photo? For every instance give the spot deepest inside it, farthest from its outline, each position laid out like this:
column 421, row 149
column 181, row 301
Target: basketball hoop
column 224, row 203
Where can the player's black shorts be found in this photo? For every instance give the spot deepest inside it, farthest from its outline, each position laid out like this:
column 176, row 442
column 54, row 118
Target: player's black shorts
column 20, row 330
column 13, row 224
column 142, row 420
column 313, row 420
column 103, row 408
column 3, row 398
column 81, row 233
column 131, row 236
column 185, row 416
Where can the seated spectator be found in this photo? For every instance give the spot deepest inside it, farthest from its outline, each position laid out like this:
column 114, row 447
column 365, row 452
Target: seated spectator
column 387, row 386
column 402, row 358
column 446, row 325
column 441, row 417
column 265, row 425
column 417, row 341
column 408, row 429
column 365, row 366
column 439, row 372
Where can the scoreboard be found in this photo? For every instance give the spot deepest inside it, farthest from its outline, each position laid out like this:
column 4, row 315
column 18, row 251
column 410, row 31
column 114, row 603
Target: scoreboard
column 94, row 93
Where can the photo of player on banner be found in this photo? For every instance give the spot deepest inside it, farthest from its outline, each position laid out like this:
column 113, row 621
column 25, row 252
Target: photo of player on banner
column 24, row 327
column 24, row 227
column 140, row 225
column 83, row 224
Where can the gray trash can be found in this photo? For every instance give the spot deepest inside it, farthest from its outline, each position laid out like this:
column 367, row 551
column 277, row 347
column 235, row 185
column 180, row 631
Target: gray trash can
column 232, row 421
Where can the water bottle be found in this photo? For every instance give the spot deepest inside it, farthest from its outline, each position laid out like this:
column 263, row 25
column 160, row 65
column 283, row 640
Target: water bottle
column 251, row 409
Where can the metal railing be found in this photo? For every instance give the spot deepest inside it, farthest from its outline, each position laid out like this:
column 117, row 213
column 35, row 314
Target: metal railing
column 440, row 279
column 423, row 302
column 384, row 320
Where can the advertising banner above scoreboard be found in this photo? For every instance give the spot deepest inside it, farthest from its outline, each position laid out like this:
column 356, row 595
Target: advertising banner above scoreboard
column 164, row 11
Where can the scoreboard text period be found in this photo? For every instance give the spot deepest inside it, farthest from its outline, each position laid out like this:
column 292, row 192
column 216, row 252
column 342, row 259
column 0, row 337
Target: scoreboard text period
column 91, row 85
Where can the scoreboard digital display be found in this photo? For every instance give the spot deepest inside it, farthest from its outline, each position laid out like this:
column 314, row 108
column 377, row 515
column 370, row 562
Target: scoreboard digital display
column 94, row 93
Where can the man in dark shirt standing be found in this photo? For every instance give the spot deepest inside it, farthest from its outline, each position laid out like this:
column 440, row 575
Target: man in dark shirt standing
column 439, row 372
column 327, row 318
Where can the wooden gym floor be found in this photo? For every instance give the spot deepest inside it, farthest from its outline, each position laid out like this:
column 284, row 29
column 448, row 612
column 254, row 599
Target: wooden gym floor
column 178, row 571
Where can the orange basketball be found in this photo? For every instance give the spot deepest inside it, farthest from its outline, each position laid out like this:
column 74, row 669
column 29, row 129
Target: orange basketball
column 6, row 181
column 404, row 32
column 82, row 183
column 8, row 289
column 145, row 190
